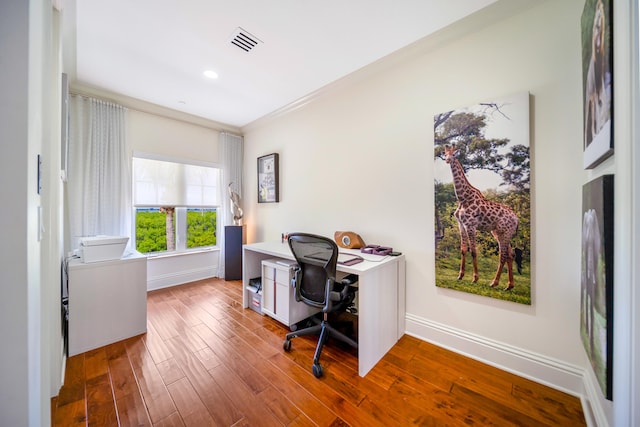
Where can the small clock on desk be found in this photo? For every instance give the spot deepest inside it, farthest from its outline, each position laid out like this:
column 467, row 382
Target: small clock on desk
column 348, row 240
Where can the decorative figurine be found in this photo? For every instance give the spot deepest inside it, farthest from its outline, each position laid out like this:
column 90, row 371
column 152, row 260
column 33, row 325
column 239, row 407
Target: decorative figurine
column 235, row 208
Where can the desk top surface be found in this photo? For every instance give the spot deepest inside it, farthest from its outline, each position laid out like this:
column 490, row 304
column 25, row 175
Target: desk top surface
column 281, row 250
column 127, row 257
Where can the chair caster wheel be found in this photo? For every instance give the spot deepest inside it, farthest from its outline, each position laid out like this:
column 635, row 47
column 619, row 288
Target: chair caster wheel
column 286, row 345
column 317, row 370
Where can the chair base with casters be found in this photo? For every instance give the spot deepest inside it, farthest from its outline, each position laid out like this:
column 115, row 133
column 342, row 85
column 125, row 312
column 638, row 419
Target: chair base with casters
column 325, row 330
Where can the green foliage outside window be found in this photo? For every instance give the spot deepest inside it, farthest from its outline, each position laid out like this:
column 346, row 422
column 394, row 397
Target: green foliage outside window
column 151, row 229
column 201, row 228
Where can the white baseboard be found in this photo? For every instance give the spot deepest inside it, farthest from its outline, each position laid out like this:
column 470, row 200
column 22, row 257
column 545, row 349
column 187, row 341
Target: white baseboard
column 180, row 277
column 536, row 367
column 594, row 405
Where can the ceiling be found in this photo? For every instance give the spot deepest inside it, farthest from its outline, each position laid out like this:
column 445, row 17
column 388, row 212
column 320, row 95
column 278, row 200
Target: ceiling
column 157, row 50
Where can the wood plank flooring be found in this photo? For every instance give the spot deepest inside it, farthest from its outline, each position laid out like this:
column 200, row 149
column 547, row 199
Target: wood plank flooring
column 206, row 361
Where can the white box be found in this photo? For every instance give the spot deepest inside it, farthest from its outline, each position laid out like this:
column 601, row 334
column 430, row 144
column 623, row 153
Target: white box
column 102, row 248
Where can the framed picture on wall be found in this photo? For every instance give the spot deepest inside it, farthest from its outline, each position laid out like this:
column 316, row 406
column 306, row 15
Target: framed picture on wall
column 268, row 184
column 597, row 81
column 596, row 290
column 482, row 199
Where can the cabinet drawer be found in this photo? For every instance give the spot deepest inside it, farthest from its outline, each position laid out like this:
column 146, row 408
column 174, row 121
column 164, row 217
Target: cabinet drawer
column 282, row 299
column 283, row 276
column 268, row 271
column 276, row 272
column 278, row 299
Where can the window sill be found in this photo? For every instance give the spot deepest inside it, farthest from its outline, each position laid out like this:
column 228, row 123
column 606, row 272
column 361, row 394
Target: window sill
column 182, row 253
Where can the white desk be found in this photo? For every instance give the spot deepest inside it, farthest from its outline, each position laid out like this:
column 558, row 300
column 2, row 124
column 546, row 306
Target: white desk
column 381, row 296
column 107, row 301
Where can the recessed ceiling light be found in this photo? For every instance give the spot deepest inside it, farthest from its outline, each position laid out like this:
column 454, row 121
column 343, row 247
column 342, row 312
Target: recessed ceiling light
column 211, row 74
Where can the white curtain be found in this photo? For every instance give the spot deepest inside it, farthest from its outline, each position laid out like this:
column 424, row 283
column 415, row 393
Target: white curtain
column 98, row 176
column 231, row 152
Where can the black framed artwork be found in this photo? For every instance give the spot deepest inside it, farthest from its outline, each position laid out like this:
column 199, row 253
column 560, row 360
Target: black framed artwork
column 268, row 181
column 596, row 290
column 597, row 81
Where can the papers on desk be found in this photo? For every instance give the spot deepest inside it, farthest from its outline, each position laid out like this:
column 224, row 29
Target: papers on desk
column 343, row 257
column 285, row 262
column 349, row 259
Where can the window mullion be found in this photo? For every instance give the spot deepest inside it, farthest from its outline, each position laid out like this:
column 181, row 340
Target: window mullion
column 181, row 229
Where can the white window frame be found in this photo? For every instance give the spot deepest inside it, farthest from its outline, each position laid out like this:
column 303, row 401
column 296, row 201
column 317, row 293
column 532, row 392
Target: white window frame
column 180, row 211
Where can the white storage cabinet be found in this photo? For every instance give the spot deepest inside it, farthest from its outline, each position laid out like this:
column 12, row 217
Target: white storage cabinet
column 278, row 296
column 107, row 301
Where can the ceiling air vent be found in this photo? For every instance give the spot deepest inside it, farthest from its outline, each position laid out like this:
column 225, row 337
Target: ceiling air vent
column 244, row 40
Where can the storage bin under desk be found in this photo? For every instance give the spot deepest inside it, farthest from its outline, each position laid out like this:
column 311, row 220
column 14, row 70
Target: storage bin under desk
column 107, row 301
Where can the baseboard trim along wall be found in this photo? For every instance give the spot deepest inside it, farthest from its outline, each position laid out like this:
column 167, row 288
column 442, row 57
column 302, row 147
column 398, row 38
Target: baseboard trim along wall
column 545, row 370
column 178, row 268
column 592, row 403
column 180, row 277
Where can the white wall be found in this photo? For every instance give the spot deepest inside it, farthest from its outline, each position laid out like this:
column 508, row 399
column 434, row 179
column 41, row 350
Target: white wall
column 14, row 131
column 359, row 157
column 52, row 214
column 30, row 297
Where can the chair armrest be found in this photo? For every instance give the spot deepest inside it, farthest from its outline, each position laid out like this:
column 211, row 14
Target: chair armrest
column 297, row 272
column 350, row 279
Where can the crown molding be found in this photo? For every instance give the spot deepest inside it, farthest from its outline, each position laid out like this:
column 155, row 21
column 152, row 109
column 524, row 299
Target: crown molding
column 149, row 108
column 489, row 15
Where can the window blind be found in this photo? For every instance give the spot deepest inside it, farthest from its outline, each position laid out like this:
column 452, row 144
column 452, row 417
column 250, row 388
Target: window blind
column 158, row 183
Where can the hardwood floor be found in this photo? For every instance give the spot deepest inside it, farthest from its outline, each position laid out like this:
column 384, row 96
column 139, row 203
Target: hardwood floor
column 207, row 361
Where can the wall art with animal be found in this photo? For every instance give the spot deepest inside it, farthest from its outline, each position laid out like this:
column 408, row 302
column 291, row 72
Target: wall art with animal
column 597, row 81
column 596, row 291
column 482, row 199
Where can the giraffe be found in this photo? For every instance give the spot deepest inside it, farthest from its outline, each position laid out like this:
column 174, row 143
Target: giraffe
column 475, row 213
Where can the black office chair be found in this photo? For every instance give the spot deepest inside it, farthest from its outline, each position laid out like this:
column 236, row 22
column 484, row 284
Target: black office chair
column 315, row 285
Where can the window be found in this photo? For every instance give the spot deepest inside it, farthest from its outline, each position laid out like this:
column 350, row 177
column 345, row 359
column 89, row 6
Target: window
column 175, row 205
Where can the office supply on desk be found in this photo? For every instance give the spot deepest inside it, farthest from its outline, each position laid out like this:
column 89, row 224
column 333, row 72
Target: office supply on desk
column 376, row 250
column 349, row 259
column 343, row 257
column 316, row 285
column 102, row 248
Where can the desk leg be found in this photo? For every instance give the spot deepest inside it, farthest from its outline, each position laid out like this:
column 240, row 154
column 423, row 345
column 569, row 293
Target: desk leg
column 378, row 315
column 402, row 298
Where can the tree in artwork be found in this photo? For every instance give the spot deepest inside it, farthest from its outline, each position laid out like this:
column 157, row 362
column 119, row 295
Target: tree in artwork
column 491, row 142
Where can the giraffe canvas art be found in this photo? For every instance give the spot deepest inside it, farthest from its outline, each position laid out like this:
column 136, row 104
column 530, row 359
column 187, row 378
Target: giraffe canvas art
column 482, row 199
column 477, row 213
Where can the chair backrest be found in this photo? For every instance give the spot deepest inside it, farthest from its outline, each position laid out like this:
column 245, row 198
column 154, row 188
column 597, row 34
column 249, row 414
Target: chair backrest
column 317, row 257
